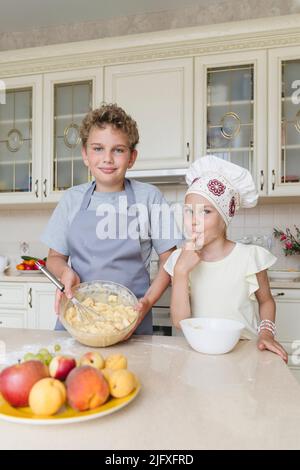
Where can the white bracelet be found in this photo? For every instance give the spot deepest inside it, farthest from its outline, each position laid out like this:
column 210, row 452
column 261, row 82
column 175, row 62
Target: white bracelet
column 267, row 325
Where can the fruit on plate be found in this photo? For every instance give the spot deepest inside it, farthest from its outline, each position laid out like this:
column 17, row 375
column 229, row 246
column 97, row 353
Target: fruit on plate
column 61, row 366
column 86, row 388
column 116, row 361
column 121, row 383
column 43, row 355
column 106, row 373
column 28, row 263
column 17, row 380
column 93, row 359
column 47, row 396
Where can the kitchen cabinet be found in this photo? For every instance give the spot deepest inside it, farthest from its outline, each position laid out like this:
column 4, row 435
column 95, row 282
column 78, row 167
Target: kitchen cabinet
column 21, row 140
column 159, row 95
column 27, row 305
column 68, row 96
column 284, row 121
column 231, row 110
column 41, row 314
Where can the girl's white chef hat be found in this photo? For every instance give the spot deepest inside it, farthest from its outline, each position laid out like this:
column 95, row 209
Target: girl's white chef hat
column 226, row 185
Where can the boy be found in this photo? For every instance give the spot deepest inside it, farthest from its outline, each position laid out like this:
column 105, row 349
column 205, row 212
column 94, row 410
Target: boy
column 77, row 228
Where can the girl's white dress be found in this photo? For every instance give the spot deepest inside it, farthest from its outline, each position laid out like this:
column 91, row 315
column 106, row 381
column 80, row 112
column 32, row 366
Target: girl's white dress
column 225, row 288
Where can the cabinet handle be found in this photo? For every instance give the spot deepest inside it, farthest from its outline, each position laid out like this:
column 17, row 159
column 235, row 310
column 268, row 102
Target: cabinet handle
column 262, row 180
column 0, row 294
column 30, row 297
column 188, row 151
column 45, row 187
column 273, row 180
column 279, row 294
column 36, row 188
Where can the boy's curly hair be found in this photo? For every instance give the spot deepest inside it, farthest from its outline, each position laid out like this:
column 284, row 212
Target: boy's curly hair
column 110, row 114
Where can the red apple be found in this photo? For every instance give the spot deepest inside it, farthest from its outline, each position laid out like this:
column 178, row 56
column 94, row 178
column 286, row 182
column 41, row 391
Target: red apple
column 61, row 366
column 16, row 381
column 86, row 388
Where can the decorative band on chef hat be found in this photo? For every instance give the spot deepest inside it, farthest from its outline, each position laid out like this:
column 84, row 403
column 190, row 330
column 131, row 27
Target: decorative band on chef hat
column 226, row 185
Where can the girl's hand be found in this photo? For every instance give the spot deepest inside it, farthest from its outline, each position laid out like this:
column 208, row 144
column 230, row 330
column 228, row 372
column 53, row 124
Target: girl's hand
column 188, row 258
column 266, row 341
column 69, row 278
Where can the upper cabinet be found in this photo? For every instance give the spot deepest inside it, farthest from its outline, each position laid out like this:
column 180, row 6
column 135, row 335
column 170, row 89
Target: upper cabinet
column 21, row 140
column 231, row 110
column 68, row 98
column 284, row 121
column 159, row 96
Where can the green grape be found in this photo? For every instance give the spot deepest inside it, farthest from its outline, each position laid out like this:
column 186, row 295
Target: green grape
column 28, row 357
column 39, row 357
column 43, row 352
column 57, row 347
column 48, row 359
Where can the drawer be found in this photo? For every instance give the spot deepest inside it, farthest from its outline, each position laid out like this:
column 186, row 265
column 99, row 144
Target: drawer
column 13, row 295
column 13, row 320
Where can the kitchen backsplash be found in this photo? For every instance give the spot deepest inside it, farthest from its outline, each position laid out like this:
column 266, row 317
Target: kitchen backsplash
column 25, row 225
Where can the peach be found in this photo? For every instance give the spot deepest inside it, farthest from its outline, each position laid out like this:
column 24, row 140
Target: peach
column 93, row 359
column 86, row 388
column 16, row 381
column 47, row 396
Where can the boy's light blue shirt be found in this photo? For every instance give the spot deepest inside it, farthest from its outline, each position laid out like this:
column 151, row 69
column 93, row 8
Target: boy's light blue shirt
column 55, row 234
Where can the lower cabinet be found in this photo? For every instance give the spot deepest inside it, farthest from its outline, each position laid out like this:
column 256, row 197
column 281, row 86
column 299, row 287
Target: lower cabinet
column 41, row 314
column 27, row 305
column 288, row 325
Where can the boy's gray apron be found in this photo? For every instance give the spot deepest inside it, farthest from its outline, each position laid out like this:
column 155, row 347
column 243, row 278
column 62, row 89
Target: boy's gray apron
column 117, row 260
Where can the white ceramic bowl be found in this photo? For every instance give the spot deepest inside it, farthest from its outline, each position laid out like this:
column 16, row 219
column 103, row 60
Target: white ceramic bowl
column 211, row 335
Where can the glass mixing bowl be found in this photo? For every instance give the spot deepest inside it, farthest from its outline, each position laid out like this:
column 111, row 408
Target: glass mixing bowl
column 99, row 291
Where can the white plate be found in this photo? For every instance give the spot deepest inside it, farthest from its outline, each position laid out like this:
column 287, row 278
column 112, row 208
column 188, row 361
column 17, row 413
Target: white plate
column 29, row 271
column 283, row 275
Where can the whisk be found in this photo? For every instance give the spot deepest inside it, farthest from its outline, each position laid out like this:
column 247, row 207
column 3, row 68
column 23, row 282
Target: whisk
column 85, row 313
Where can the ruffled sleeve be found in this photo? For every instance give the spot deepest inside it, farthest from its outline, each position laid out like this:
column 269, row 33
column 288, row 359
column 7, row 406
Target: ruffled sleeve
column 171, row 261
column 259, row 260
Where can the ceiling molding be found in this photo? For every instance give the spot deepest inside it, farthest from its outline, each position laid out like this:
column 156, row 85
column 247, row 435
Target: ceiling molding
column 195, row 41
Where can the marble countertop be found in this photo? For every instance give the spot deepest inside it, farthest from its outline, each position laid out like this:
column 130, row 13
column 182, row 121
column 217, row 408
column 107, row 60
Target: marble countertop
column 246, row 399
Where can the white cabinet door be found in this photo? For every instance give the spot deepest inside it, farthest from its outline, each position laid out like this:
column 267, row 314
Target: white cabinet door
column 13, row 295
column 159, row 96
column 41, row 314
column 68, row 96
column 284, row 121
column 21, row 140
column 231, row 110
column 13, row 319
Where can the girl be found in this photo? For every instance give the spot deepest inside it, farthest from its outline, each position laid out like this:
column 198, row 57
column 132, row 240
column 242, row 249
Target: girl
column 222, row 277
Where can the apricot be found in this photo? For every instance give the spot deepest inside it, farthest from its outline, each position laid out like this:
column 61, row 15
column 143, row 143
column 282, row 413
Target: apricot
column 47, row 396
column 121, row 383
column 115, row 362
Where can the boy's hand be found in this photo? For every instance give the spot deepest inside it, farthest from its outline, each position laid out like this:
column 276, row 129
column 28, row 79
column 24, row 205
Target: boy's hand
column 143, row 306
column 69, row 278
column 266, row 341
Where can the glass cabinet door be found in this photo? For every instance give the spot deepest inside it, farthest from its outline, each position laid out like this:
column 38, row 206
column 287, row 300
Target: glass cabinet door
column 230, row 108
column 16, row 141
column 68, row 97
column 290, row 122
column 71, row 103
